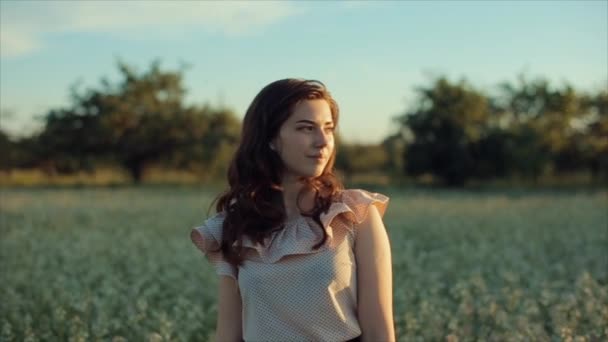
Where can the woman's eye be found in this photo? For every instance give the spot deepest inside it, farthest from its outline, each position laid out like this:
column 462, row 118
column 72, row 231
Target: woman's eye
column 312, row 128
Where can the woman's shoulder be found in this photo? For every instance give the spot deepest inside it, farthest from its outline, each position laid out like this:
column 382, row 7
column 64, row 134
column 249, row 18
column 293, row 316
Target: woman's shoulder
column 354, row 205
column 361, row 196
column 211, row 228
column 216, row 219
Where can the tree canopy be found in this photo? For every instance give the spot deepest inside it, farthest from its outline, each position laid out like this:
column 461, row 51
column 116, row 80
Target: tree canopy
column 451, row 131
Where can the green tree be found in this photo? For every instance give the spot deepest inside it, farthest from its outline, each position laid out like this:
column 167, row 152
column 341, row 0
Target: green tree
column 394, row 148
column 71, row 140
column 144, row 115
column 594, row 137
column 447, row 118
column 543, row 118
column 139, row 121
column 209, row 149
column 7, row 157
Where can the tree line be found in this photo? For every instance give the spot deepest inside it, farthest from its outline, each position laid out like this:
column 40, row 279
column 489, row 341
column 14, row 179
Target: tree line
column 451, row 131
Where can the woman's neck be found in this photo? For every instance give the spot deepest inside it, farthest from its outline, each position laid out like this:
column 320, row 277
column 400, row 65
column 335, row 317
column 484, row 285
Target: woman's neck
column 291, row 189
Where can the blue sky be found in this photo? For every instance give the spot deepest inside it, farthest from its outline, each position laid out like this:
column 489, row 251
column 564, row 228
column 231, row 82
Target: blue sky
column 371, row 55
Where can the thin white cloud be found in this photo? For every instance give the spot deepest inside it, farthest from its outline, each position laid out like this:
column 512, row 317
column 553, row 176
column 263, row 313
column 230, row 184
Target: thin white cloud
column 14, row 43
column 24, row 25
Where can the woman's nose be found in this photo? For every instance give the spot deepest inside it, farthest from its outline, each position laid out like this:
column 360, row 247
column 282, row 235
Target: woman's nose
column 321, row 138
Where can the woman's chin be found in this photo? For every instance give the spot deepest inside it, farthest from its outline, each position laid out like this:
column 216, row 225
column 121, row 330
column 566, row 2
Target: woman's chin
column 308, row 173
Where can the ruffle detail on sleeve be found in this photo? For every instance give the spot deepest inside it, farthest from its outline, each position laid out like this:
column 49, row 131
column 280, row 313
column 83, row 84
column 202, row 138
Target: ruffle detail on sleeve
column 354, row 206
column 207, row 239
column 299, row 236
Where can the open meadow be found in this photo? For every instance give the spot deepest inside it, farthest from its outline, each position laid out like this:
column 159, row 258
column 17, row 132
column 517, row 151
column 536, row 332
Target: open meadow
column 117, row 264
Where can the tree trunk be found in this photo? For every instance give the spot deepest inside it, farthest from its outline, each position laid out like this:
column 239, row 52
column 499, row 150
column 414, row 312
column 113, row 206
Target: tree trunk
column 136, row 170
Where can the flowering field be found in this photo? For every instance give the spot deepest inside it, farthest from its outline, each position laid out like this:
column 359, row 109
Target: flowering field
column 117, row 264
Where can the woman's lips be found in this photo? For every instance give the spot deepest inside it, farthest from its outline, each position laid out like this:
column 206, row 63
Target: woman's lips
column 318, row 158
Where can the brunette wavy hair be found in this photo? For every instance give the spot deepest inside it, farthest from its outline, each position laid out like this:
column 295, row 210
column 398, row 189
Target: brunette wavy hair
column 253, row 204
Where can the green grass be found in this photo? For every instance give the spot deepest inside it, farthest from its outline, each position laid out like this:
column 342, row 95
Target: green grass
column 117, row 264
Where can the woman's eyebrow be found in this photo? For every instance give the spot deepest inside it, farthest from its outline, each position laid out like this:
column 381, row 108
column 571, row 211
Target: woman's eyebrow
column 314, row 123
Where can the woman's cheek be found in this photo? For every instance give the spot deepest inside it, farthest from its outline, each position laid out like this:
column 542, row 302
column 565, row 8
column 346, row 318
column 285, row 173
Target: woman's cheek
column 330, row 143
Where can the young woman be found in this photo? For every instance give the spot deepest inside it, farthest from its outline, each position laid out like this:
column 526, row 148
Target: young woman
column 299, row 257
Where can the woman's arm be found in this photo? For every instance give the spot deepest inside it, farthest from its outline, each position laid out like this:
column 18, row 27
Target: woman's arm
column 229, row 304
column 374, row 279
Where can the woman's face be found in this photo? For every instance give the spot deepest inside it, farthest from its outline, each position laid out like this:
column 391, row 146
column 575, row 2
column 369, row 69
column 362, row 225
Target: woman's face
column 305, row 141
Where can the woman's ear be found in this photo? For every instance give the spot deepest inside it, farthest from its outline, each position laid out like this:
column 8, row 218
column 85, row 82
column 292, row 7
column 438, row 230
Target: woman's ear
column 274, row 143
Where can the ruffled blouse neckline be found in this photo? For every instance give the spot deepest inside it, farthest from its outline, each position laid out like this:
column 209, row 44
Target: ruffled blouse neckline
column 301, row 233
column 294, row 220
